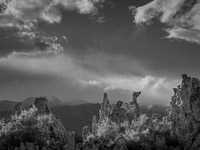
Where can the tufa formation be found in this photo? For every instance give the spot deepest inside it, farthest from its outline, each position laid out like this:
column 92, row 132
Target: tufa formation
column 185, row 113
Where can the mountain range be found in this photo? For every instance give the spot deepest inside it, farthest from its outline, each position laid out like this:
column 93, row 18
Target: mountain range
column 54, row 102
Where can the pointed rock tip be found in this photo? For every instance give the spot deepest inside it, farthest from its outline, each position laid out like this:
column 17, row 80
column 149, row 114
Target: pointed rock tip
column 105, row 95
column 184, row 76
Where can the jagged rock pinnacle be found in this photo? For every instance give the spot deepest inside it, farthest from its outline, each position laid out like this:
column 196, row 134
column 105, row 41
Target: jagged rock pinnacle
column 185, row 112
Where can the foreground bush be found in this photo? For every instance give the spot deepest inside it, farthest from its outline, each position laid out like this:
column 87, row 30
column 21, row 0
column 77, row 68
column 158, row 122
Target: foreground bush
column 142, row 134
column 29, row 129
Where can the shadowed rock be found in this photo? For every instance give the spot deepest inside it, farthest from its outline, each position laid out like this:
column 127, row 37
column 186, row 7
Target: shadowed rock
column 135, row 105
column 105, row 105
column 185, row 113
column 41, row 104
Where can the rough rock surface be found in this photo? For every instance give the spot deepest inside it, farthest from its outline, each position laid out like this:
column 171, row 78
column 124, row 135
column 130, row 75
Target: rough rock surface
column 41, row 104
column 105, row 107
column 94, row 125
column 135, row 104
column 120, row 111
column 85, row 133
column 185, row 113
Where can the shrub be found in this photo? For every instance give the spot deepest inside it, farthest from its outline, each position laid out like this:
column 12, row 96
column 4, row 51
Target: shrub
column 28, row 126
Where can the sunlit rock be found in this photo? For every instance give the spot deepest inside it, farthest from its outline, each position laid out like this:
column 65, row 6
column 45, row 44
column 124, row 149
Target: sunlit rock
column 85, row 133
column 94, row 125
column 120, row 112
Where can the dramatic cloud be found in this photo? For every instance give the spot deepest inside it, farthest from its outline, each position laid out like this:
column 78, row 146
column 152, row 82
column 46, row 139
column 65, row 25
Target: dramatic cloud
column 28, row 12
column 181, row 16
column 68, row 68
column 19, row 20
column 36, row 59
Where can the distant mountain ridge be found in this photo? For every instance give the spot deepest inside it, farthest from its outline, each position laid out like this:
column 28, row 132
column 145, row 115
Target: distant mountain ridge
column 54, row 102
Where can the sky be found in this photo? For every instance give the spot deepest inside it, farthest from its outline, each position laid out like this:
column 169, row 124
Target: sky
column 79, row 49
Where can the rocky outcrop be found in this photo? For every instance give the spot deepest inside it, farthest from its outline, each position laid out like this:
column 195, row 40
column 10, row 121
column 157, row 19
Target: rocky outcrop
column 85, row 133
column 135, row 104
column 185, row 113
column 105, row 107
column 120, row 112
column 41, row 104
column 94, row 125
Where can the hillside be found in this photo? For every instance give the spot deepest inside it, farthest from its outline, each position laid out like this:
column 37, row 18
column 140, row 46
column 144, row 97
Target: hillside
column 6, row 105
column 74, row 118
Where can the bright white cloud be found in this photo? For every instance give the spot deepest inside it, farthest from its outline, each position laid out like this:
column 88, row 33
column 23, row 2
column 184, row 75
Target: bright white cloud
column 22, row 16
column 90, row 83
column 184, row 34
column 29, row 11
column 182, row 17
column 153, row 88
column 109, row 88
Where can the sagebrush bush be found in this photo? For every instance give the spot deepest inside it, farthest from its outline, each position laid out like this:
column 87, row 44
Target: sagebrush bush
column 28, row 126
column 143, row 133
